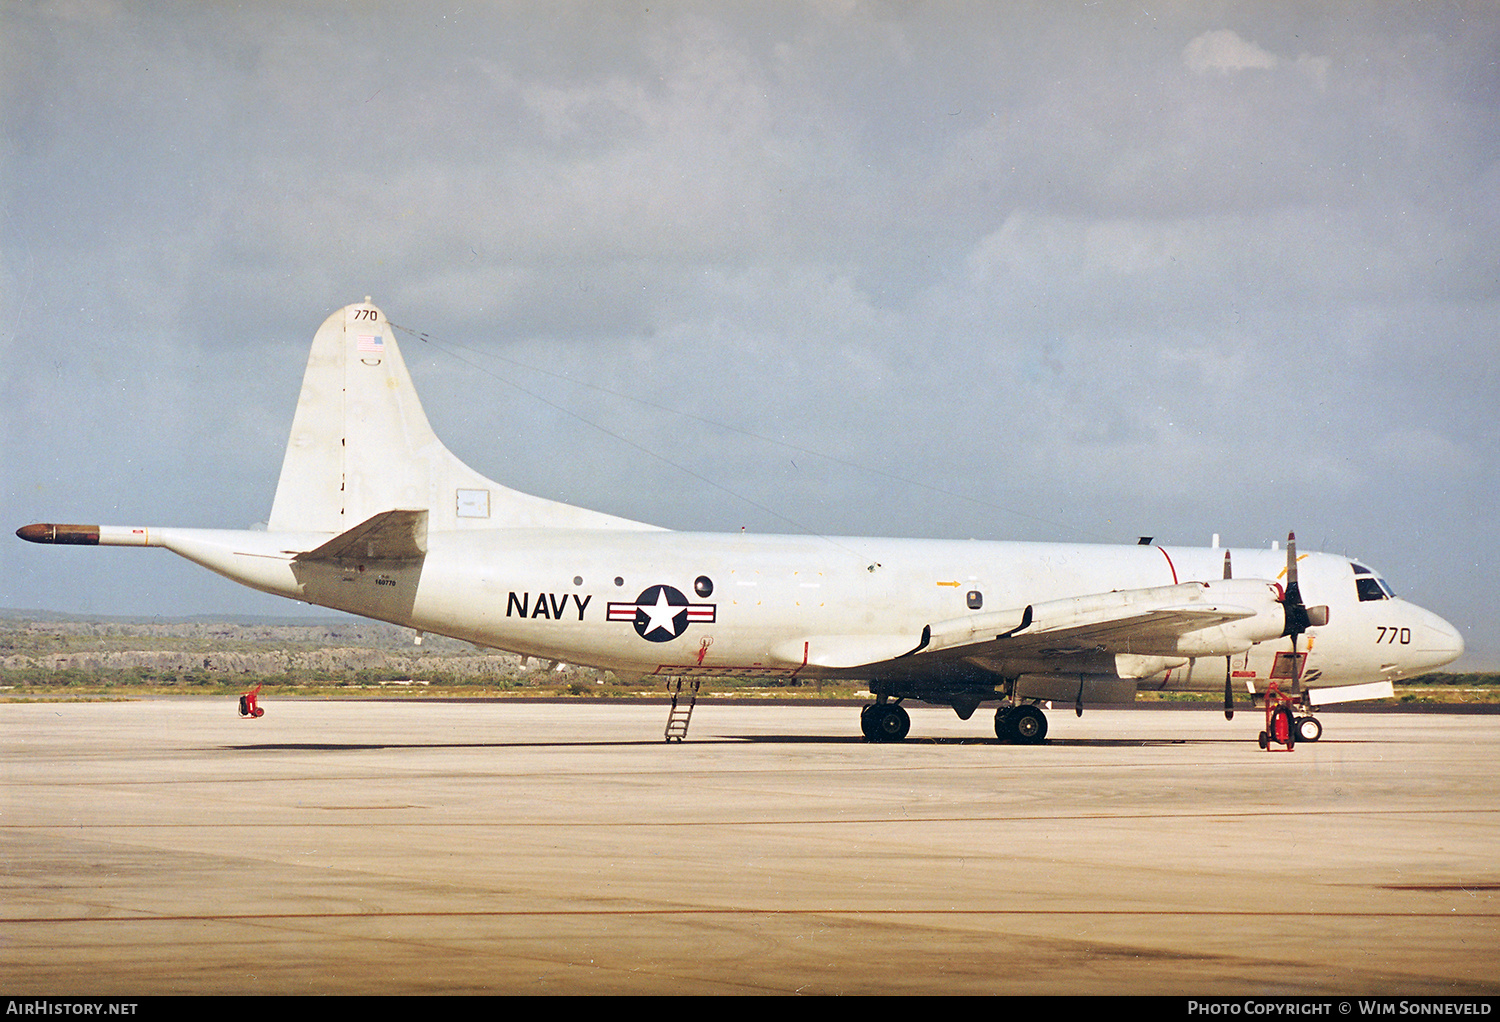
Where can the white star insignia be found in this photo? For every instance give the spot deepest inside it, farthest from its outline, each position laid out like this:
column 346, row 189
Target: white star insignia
column 661, row 615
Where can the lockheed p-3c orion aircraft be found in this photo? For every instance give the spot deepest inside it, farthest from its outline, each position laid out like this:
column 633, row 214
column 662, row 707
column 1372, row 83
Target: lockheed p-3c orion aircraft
column 374, row 516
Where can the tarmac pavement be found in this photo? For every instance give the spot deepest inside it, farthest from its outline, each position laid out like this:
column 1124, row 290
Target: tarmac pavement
column 167, row 846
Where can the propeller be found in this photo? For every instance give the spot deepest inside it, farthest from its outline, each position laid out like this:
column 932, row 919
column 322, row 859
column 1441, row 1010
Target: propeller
column 1299, row 616
column 1228, row 689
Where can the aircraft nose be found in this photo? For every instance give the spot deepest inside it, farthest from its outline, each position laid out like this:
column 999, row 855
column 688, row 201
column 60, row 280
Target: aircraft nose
column 1455, row 646
column 1441, row 642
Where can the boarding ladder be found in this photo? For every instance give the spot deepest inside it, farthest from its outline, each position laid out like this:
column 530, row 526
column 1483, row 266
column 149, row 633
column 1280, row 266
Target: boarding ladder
column 682, row 707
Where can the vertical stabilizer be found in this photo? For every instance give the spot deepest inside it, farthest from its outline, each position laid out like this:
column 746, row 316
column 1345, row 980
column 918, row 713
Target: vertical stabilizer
column 361, row 445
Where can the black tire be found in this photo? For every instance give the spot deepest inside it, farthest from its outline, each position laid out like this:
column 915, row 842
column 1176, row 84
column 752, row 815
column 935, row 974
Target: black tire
column 1309, row 729
column 1027, row 725
column 887, row 723
column 1265, row 740
column 864, row 721
column 1002, row 724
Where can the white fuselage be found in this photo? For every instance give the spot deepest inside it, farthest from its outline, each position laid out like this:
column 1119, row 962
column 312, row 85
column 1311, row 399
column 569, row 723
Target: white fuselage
column 780, row 604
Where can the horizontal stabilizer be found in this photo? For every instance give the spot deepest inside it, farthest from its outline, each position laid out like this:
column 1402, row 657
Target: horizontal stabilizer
column 389, row 536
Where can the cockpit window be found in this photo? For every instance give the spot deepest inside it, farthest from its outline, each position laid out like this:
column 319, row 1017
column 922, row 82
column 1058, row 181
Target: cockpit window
column 1369, row 585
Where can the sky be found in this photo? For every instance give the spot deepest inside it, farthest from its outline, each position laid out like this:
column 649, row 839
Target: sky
column 1048, row 271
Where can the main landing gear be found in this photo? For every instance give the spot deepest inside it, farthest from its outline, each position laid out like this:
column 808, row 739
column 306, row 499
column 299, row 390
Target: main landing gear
column 1021, row 725
column 1025, row 724
column 884, row 722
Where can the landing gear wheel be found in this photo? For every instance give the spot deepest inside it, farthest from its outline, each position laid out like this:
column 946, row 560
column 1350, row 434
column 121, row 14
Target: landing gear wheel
column 1002, row 723
column 1309, row 729
column 1024, row 725
column 884, row 722
column 1029, row 725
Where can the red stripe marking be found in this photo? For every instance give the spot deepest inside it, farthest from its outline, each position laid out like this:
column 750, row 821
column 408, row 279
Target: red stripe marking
column 1169, row 563
column 805, row 648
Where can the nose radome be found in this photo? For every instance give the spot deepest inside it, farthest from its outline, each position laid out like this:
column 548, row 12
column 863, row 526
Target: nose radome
column 1455, row 641
column 1442, row 641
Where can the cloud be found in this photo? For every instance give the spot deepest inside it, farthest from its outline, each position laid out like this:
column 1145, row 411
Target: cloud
column 1224, row 50
column 1082, row 263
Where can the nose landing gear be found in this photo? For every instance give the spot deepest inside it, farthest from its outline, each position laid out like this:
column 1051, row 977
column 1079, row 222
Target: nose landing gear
column 1308, row 729
column 1283, row 727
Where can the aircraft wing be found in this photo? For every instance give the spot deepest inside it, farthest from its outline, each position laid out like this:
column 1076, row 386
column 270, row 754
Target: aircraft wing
column 1187, row 620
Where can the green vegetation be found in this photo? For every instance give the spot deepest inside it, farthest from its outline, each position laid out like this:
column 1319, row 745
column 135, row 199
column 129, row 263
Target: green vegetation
column 50, row 657
column 1450, row 688
column 61, row 658
column 574, row 682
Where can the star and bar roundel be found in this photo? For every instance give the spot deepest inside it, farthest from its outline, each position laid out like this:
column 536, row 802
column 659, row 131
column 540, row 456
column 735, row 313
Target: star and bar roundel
column 661, row 613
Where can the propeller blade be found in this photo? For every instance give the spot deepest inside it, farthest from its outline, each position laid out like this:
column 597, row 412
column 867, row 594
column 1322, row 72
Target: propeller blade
column 1299, row 616
column 1296, row 610
column 1228, row 690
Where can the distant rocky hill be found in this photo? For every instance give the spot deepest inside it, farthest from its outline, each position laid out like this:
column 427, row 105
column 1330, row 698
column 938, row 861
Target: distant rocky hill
column 30, row 644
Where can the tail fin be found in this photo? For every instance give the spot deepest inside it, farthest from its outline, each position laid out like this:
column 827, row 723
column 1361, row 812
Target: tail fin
column 361, row 445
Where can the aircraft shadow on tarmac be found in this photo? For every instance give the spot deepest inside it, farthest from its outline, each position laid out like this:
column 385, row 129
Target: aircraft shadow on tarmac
column 1064, row 743
column 425, row 746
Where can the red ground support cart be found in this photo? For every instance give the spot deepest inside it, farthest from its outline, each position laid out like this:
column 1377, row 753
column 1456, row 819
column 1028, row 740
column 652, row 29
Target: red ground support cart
column 248, row 708
column 1281, row 723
